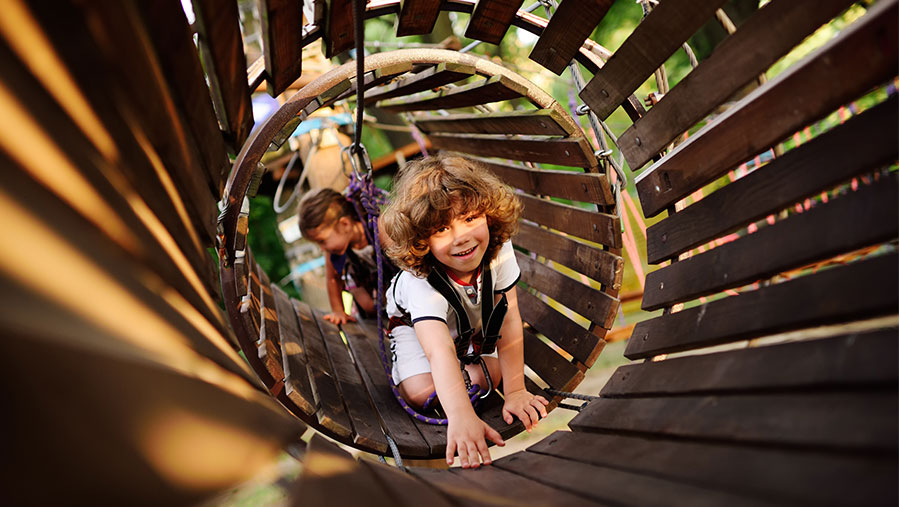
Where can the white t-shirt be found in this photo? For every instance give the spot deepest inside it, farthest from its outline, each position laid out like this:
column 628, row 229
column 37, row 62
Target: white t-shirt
column 423, row 302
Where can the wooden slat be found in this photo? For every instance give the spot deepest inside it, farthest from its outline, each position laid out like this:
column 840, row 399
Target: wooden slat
column 817, row 420
column 863, row 143
column 583, row 187
column 460, row 490
column 338, row 35
column 659, row 35
column 129, row 229
column 553, row 369
column 565, row 333
column 417, row 17
column 572, row 23
column 491, row 19
column 269, row 339
column 220, row 40
column 293, row 353
column 600, row 265
column 787, row 477
column 371, row 79
column 758, row 43
column 396, row 421
column 434, row 77
column 405, row 488
column 593, row 226
column 546, row 122
column 574, row 152
column 486, row 91
column 101, row 424
column 367, row 431
column 94, row 267
column 863, row 54
column 517, row 489
column 846, row 223
column 857, row 359
column 598, row 307
column 173, row 40
column 610, row 486
column 332, row 477
column 859, row 290
column 281, row 30
column 331, row 413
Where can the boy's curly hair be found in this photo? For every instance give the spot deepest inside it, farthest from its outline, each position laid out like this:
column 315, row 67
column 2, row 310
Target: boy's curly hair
column 323, row 206
column 429, row 193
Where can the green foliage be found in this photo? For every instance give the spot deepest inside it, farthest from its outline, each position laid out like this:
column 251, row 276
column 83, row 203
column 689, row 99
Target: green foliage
column 264, row 243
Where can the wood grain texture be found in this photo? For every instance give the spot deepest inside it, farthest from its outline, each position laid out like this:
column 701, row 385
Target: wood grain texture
column 779, row 476
column 759, row 42
column 607, row 485
column 593, row 304
column 583, row 187
column 864, row 54
column 593, row 262
column 331, row 414
column 417, row 17
column 485, row 91
column 816, row 420
column 367, row 432
column 221, row 44
column 593, row 226
column 293, row 353
column 281, row 30
column 332, row 476
column 861, row 289
column 491, row 19
column 572, row 23
column 858, row 360
column 538, row 122
column 429, row 79
column 583, row 345
column 396, row 421
column 863, row 143
column 338, row 35
column 553, row 369
column 173, row 41
column 659, row 35
column 573, row 152
column 846, row 223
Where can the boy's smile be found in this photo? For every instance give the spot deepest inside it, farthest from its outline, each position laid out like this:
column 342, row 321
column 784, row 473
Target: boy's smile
column 461, row 244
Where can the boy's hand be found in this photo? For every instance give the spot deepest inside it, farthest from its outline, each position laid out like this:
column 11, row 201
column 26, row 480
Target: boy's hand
column 528, row 407
column 466, row 437
column 339, row 318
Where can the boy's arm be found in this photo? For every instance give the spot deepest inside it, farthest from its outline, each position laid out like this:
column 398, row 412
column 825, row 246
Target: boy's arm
column 511, row 353
column 465, row 431
column 335, row 287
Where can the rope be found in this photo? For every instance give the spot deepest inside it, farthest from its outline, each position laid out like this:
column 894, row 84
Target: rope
column 279, row 208
column 359, row 10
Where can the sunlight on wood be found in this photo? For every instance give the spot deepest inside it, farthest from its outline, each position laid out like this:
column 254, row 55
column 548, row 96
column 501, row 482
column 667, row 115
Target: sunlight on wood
column 28, row 40
column 196, row 452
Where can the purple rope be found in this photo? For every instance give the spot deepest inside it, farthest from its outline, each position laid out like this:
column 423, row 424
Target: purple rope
column 370, row 198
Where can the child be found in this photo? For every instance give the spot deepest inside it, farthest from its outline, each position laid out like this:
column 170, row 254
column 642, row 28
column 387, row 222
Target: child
column 449, row 216
column 328, row 219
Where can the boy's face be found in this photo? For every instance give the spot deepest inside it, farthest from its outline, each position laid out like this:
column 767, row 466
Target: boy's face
column 460, row 246
column 333, row 238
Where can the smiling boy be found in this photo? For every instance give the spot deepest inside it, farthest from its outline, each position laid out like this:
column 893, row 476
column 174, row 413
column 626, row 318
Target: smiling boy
column 451, row 220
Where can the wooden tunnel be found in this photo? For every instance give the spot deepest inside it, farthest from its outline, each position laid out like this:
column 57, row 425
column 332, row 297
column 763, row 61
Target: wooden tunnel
column 138, row 372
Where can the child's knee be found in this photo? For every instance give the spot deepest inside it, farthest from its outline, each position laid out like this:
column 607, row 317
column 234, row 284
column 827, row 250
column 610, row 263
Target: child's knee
column 417, row 389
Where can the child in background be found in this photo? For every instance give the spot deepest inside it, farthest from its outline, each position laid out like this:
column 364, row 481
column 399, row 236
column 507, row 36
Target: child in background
column 449, row 214
column 328, row 219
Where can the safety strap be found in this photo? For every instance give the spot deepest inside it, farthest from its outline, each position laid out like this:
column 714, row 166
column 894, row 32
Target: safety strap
column 491, row 316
